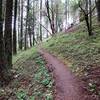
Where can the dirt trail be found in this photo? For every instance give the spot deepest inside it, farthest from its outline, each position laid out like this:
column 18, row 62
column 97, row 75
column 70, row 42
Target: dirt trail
column 67, row 86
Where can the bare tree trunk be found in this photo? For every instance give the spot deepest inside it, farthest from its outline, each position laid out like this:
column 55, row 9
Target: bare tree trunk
column 2, row 51
column 88, row 16
column 90, row 10
column 66, row 10
column 98, row 9
column 47, row 27
column 57, row 17
column 51, row 18
column 27, row 19
column 14, row 30
column 87, row 23
column 33, row 24
column 40, row 20
column 8, row 33
column 21, row 28
column 30, row 35
column 1, row 37
column 19, row 19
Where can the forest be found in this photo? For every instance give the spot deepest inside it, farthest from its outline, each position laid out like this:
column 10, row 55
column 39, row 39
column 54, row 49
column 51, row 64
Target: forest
column 49, row 49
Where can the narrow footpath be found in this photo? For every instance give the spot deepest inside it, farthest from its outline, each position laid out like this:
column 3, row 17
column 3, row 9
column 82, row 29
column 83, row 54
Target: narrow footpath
column 67, row 85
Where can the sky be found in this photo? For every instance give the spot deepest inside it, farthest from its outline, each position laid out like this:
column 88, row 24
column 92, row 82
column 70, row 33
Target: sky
column 63, row 1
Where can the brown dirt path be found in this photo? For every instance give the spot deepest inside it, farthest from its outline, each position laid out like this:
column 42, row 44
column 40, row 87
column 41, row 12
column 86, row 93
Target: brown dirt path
column 67, row 86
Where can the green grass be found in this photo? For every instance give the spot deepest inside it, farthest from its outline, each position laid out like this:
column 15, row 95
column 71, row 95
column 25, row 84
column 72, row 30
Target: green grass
column 77, row 48
column 32, row 81
column 23, row 55
column 81, row 53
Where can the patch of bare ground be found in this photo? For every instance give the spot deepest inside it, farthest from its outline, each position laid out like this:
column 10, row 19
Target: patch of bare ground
column 67, row 85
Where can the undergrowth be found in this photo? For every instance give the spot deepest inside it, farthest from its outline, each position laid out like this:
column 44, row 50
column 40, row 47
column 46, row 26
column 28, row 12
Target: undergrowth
column 81, row 53
column 77, row 48
column 32, row 81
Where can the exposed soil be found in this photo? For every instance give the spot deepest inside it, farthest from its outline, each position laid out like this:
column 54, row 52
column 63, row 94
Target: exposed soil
column 71, row 29
column 67, row 85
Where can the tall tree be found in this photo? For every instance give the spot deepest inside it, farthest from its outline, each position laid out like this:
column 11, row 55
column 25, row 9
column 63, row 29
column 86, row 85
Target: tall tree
column 27, row 19
column 40, row 19
column 14, row 29
column 21, row 27
column 1, row 37
column 98, row 9
column 66, row 10
column 50, row 16
column 90, row 17
column 87, row 12
column 30, row 25
column 47, row 26
column 33, row 24
column 2, row 54
column 57, row 16
column 8, row 32
column 30, row 33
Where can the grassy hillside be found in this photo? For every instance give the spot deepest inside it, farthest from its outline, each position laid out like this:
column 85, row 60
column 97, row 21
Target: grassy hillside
column 31, row 80
column 76, row 47
column 80, row 52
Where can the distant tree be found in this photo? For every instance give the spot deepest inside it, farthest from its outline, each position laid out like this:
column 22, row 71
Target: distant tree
column 14, row 29
column 47, row 25
column 50, row 16
column 57, row 16
column 87, row 12
column 27, row 19
column 40, row 20
column 33, row 24
column 90, row 18
column 66, row 10
column 29, row 30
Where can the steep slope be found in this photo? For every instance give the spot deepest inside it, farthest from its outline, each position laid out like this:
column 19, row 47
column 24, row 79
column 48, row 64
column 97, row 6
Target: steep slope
column 81, row 53
column 31, row 80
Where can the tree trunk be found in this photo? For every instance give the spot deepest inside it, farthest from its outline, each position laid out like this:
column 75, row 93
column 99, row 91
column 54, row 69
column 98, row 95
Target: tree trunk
column 88, row 16
column 27, row 19
column 8, row 33
column 1, row 37
column 98, row 9
column 14, row 30
column 40, row 20
column 30, row 35
column 21, row 28
column 87, row 24
column 57, row 17
column 66, row 11
column 50, row 17
column 19, row 19
column 90, row 8
column 47, row 25
column 33, row 25
column 2, row 54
